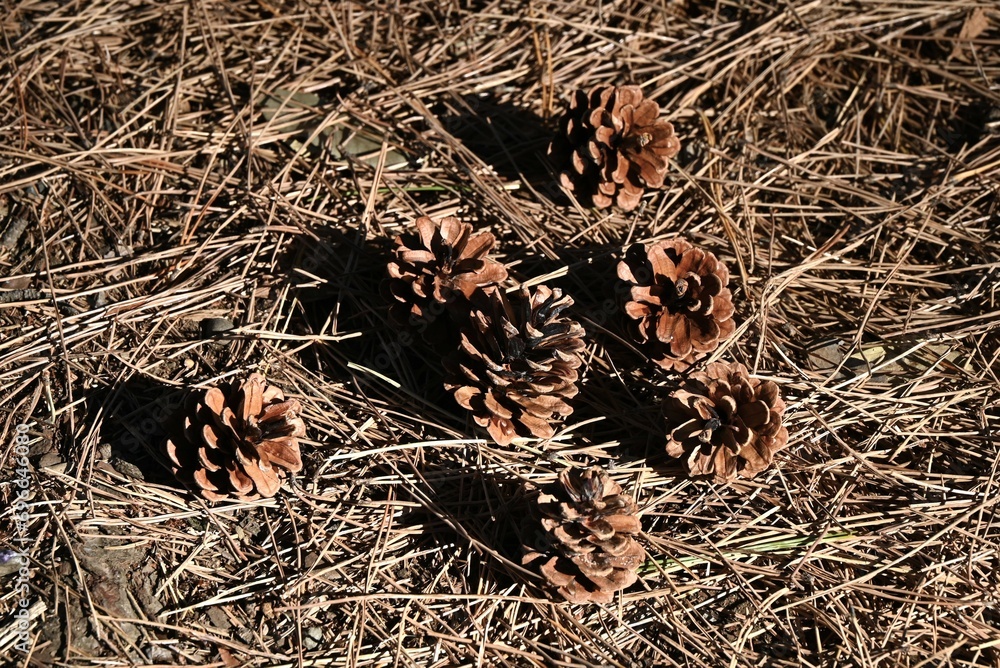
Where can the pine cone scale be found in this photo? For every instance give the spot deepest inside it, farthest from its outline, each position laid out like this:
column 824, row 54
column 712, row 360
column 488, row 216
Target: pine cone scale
column 478, row 247
column 494, row 406
column 536, row 426
column 623, row 523
column 202, row 480
column 205, row 456
column 543, row 406
column 604, row 564
column 553, row 574
column 252, row 403
column 500, row 429
column 425, row 230
column 275, row 412
column 616, row 580
column 472, row 279
column 755, row 414
column 202, row 434
column 417, row 256
column 264, row 480
column 279, row 452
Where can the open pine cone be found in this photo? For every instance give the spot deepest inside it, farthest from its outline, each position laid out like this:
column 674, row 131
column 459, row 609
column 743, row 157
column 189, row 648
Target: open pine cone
column 723, row 423
column 238, row 440
column 588, row 551
column 612, row 147
column 438, row 266
column 517, row 363
column 680, row 301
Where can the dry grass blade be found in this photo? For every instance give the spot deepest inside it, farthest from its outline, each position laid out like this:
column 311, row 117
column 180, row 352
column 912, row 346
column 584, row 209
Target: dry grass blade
column 191, row 192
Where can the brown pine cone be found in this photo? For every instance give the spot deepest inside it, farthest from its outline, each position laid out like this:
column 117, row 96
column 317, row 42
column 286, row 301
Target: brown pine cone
column 682, row 307
column 517, row 363
column 588, row 551
column 612, row 147
column 238, row 440
column 438, row 266
column 723, row 423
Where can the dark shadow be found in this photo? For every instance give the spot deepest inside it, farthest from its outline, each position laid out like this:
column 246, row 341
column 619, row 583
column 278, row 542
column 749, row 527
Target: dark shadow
column 812, row 640
column 590, row 277
column 513, row 140
column 455, row 502
column 747, row 15
column 139, row 414
column 970, row 124
column 351, row 300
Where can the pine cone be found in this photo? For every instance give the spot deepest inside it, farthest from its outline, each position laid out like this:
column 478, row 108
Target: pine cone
column 238, row 440
column 588, row 551
column 723, row 423
column 438, row 266
column 612, row 146
column 679, row 299
column 517, row 363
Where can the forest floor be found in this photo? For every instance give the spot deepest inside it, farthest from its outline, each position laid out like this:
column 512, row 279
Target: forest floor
column 166, row 163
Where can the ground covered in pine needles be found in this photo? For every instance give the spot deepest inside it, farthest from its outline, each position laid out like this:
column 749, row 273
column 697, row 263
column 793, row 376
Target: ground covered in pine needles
column 166, row 164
